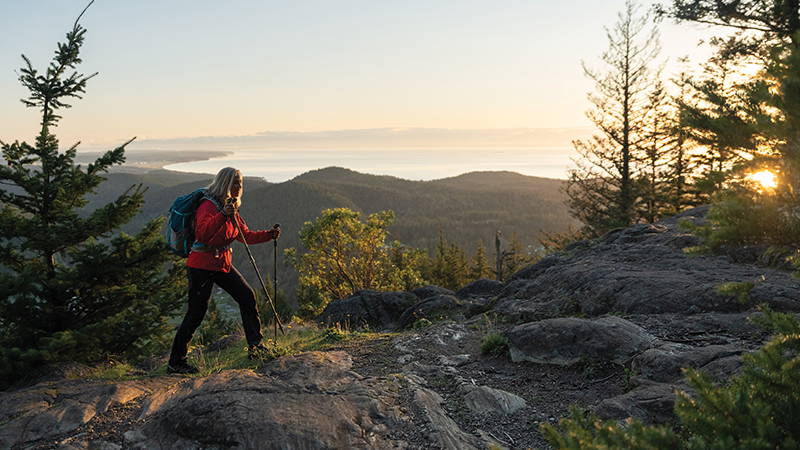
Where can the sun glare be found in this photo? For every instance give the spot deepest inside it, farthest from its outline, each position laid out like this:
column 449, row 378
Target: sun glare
column 765, row 178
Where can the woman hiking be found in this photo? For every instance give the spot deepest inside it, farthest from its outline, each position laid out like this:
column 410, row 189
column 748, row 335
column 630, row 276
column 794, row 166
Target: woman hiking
column 209, row 263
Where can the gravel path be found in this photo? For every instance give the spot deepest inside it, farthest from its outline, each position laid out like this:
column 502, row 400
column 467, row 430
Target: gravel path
column 548, row 390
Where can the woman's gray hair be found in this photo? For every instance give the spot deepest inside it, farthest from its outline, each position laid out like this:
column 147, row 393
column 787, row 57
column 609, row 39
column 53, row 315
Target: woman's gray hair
column 220, row 188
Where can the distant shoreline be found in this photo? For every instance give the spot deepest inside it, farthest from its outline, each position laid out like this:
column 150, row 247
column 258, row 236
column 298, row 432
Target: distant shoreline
column 156, row 159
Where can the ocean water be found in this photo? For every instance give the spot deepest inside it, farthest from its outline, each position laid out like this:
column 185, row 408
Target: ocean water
column 278, row 165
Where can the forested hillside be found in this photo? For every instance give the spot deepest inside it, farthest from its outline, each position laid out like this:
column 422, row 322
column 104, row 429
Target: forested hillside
column 467, row 208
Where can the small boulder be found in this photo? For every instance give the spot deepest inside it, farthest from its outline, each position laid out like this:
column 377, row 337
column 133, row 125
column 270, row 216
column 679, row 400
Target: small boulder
column 483, row 399
column 427, row 309
column 377, row 310
column 426, row 292
column 480, row 288
column 650, row 403
column 455, row 360
column 663, row 364
column 566, row 341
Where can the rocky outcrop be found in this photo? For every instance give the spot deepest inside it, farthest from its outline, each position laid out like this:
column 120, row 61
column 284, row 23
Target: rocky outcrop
column 313, row 400
column 640, row 270
column 387, row 311
column 309, row 401
column 51, row 409
column 427, row 309
column 379, row 311
column 430, row 290
column 480, row 288
column 479, row 296
column 674, row 316
column 569, row 340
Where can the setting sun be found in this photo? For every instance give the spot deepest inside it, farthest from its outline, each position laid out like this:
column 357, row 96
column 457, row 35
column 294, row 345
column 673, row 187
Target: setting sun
column 765, row 178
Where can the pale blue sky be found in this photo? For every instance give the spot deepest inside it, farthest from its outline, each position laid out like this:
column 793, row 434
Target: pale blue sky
column 174, row 69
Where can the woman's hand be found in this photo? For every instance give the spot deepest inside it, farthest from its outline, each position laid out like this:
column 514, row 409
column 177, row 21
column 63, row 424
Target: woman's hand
column 229, row 209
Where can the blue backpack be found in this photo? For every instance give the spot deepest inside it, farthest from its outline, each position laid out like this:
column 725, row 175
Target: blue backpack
column 180, row 230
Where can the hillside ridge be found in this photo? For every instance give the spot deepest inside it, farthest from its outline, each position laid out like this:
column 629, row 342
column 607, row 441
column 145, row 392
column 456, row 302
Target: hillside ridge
column 467, row 208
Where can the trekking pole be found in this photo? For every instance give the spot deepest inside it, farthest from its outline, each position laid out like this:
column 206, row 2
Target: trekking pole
column 252, row 260
column 275, row 279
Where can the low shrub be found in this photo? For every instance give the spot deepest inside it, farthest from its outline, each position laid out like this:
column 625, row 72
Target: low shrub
column 495, row 344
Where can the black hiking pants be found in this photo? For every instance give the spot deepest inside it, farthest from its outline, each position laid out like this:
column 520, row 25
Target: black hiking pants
column 200, row 284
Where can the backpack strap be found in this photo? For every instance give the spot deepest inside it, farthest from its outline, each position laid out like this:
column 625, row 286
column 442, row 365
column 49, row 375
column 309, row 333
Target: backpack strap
column 199, row 246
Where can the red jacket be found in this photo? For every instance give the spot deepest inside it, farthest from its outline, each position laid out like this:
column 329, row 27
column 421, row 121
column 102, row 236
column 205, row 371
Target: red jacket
column 212, row 228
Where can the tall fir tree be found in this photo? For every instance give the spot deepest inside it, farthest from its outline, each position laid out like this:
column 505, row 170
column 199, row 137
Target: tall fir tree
column 746, row 211
column 479, row 267
column 73, row 288
column 656, row 153
column 720, row 116
column 679, row 187
column 748, row 123
column 602, row 190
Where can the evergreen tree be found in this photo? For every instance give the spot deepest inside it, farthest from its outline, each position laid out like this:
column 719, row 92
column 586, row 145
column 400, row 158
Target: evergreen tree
column 602, row 190
column 590, row 433
column 450, row 268
column 480, row 266
column 680, row 191
column 657, row 148
column 748, row 212
column 406, row 266
column 747, row 123
column 71, row 289
column 720, row 116
column 761, row 406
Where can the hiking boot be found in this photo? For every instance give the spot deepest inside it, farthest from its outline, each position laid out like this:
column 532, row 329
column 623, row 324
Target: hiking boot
column 182, row 368
column 258, row 351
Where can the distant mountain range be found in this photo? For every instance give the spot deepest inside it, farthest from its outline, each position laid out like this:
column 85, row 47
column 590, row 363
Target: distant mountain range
column 467, row 208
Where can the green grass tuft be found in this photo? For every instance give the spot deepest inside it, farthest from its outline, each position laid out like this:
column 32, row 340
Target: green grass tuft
column 495, row 344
